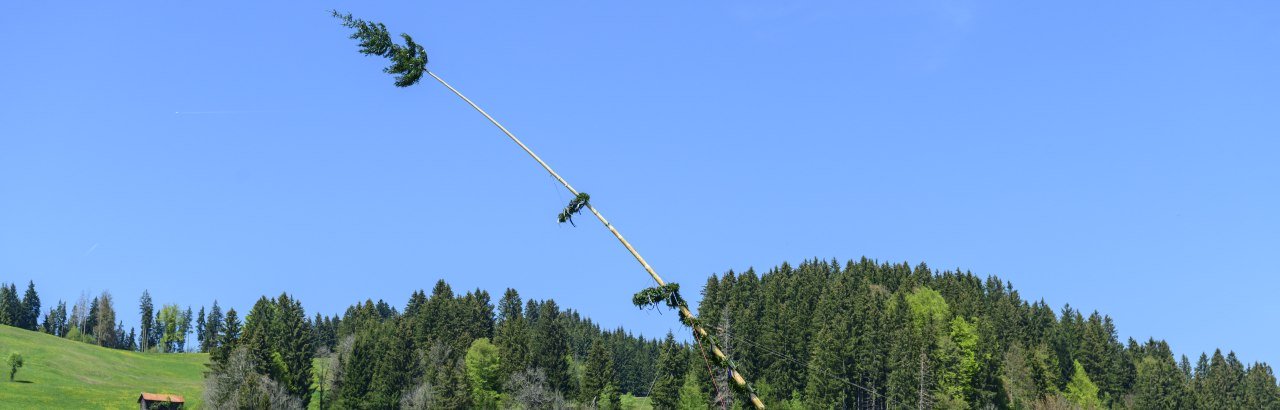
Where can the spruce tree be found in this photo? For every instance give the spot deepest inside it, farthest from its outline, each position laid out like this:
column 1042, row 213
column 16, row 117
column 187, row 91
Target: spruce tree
column 105, row 321
column 672, row 366
column 11, row 312
column 213, row 327
column 1159, row 384
column 200, row 336
column 147, row 312
column 549, row 348
column 30, row 308
column 597, row 374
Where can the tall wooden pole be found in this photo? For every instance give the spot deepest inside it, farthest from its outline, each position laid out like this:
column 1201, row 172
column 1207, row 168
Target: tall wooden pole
column 684, row 310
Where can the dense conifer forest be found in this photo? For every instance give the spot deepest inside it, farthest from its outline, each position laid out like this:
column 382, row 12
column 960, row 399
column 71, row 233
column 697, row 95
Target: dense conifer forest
column 822, row 334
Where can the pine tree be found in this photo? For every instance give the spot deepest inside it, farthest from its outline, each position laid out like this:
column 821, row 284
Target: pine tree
column 549, row 349
column 598, row 373
column 672, row 366
column 11, row 312
column 147, row 312
column 200, row 336
column 228, row 339
column 295, row 346
column 184, row 329
column 1159, row 384
column 212, row 328
column 1260, row 388
column 105, row 328
column 511, row 335
column 30, row 308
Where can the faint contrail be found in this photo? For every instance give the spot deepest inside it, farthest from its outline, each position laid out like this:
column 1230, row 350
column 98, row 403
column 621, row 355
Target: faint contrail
column 219, row 112
column 91, row 248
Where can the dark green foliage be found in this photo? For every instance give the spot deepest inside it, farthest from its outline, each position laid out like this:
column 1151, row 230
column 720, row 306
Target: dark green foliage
column 11, row 312
column 212, row 328
column 228, row 339
column 200, row 336
column 55, row 322
column 575, row 206
column 30, row 312
column 672, row 366
column 598, row 373
column 549, row 346
column 668, row 294
column 408, row 62
column 147, row 312
column 1159, row 384
column 278, row 338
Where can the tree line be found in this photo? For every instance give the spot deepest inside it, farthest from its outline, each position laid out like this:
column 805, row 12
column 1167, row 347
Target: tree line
column 443, row 350
column 95, row 321
column 819, row 335
column 874, row 335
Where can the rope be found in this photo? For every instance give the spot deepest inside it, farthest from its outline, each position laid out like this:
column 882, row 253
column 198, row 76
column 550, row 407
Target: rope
column 685, row 315
column 710, row 373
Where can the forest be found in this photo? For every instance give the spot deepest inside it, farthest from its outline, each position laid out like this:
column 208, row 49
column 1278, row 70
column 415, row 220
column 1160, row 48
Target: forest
column 822, row 334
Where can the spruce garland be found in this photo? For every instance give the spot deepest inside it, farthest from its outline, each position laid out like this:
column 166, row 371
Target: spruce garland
column 575, row 207
column 409, row 63
column 669, row 295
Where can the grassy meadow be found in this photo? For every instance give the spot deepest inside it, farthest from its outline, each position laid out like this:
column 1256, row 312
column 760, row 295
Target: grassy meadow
column 61, row 373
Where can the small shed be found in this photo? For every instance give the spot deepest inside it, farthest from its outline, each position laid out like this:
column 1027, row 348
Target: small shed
column 154, row 401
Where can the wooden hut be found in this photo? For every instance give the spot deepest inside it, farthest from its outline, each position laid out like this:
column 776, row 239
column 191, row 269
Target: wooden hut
column 153, row 401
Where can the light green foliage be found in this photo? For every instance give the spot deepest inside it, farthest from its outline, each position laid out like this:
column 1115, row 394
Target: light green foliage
column 15, row 363
column 631, row 402
column 63, row 373
column 483, row 370
column 1082, row 391
column 691, row 396
column 960, row 351
column 928, row 308
column 167, row 322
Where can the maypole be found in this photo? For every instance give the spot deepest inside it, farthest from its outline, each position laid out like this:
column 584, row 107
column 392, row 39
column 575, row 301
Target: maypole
column 409, row 63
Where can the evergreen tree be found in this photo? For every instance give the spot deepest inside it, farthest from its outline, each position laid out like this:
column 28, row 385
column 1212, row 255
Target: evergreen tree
column 147, row 312
column 672, row 366
column 228, row 339
column 11, row 312
column 30, row 308
column 91, row 319
column 1260, row 388
column 1159, row 384
column 549, row 349
column 212, row 328
column 511, row 335
column 598, row 373
column 105, row 321
column 200, row 336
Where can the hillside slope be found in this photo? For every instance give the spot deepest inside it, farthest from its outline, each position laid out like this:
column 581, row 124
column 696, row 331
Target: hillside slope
column 61, row 373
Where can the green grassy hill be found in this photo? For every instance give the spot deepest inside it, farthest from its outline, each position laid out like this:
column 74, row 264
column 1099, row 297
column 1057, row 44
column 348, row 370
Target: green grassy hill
column 61, row 373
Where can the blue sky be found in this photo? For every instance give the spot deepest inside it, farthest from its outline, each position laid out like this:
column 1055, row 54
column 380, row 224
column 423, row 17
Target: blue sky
column 1117, row 157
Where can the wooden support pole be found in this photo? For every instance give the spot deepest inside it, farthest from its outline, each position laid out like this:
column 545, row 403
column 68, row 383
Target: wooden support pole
column 684, row 310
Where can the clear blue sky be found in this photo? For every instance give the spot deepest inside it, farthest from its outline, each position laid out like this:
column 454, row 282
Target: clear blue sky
column 1117, row 157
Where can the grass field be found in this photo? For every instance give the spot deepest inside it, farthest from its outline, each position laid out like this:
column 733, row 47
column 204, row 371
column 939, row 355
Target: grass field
column 61, row 373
